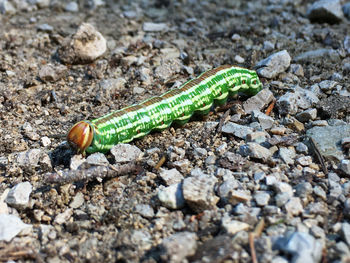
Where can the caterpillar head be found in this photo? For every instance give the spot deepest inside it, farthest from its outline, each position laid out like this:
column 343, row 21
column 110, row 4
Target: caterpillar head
column 80, row 136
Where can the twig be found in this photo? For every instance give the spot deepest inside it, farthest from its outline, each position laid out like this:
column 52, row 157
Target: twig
column 318, row 155
column 161, row 162
column 270, row 107
column 252, row 247
column 91, row 173
column 252, row 235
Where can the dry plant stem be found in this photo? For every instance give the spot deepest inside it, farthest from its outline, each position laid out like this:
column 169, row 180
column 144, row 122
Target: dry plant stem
column 160, row 163
column 92, row 173
column 319, row 156
column 270, row 108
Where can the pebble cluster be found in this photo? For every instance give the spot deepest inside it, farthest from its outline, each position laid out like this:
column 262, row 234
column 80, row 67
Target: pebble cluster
column 262, row 179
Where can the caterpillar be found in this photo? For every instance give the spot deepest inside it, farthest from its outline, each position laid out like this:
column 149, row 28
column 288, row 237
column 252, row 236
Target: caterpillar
column 157, row 113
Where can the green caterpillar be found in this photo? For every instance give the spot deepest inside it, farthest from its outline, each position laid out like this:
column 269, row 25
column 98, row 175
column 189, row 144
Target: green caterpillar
column 157, row 113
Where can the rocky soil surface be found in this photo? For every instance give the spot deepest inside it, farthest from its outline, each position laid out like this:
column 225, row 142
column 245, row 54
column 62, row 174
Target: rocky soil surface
column 263, row 179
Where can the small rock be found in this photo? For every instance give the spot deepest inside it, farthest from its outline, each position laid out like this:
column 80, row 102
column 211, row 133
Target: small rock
column 145, row 210
column 287, row 155
column 328, row 140
column 125, row 153
column 318, row 191
column 71, row 7
column 304, row 160
column 303, row 189
column 6, row 8
column 258, row 137
column 64, row 216
column 154, row 27
column 76, row 161
column 307, row 115
column 237, row 130
column 179, row 246
column 334, row 107
column 301, row 148
column 317, row 55
column 259, row 101
column 45, row 141
column 19, row 195
column 255, row 150
column 97, row 159
column 268, row 45
column 261, row 198
column 327, row 86
column 273, row 65
column 297, row 70
column 199, row 193
column 303, row 247
column 265, row 121
column 172, row 196
column 11, row 226
column 233, row 226
column 345, row 166
column 294, row 206
column 45, row 28
column 238, row 196
column 29, row 158
column 239, row 59
column 78, row 201
column 183, row 165
column 171, row 176
column 328, row 11
column 85, row 46
column 345, row 232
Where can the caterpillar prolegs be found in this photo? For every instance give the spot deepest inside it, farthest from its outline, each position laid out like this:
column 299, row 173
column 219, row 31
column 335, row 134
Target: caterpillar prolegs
column 177, row 105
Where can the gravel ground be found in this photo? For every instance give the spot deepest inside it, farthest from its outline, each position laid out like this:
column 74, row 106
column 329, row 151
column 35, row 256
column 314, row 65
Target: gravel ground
column 263, row 179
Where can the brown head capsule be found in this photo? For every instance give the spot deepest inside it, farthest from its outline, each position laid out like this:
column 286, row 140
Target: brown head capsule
column 80, row 136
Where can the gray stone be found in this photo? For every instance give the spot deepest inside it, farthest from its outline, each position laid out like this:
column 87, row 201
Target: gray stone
column 145, row 210
column 306, row 115
column 237, row 130
column 19, row 195
column 172, row 196
column 226, row 188
column 76, row 161
column 7, row 8
column 303, row 247
column 179, row 246
column 347, row 38
column 304, row 160
column 345, row 232
column 345, row 166
column 64, row 216
column 254, row 150
column 29, row 158
column 346, row 10
column 294, row 206
column 303, row 189
column 171, row 176
column 258, row 137
column 265, row 121
column 109, row 87
column 287, row 155
column 259, row 101
column 273, row 65
column 328, row 140
column 233, row 226
column 327, row 86
column 261, row 198
column 154, row 27
column 316, row 55
column 347, row 208
column 300, row 98
column 297, row 70
column 317, row 232
column 199, row 193
column 97, row 159
column 131, row 14
column 85, row 46
column 301, row 148
column 71, row 7
column 45, row 28
column 78, row 201
column 11, row 226
column 125, row 153
column 328, row 11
